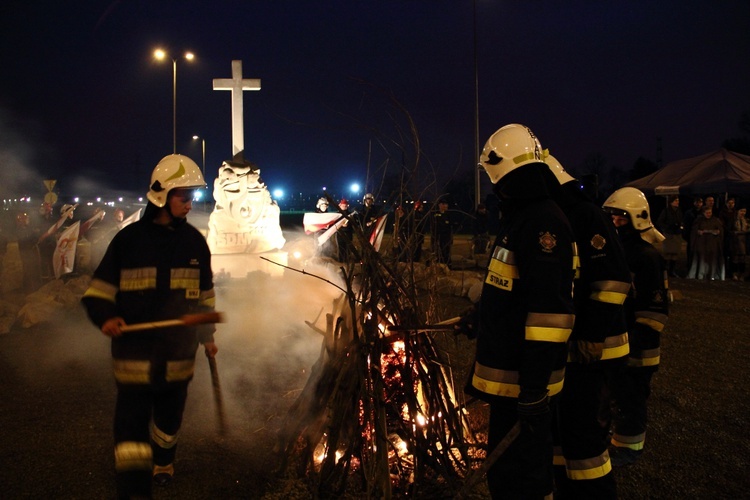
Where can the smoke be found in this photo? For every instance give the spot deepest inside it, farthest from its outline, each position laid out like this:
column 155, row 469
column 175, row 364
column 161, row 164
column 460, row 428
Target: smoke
column 17, row 157
column 265, row 348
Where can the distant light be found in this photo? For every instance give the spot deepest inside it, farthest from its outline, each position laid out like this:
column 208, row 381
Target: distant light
column 98, row 200
column 140, row 198
column 119, row 199
column 198, row 195
column 76, row 199
column 160, row 54
column 324, row 188
column 278, row 193
column 189, row 56
column 354, row 188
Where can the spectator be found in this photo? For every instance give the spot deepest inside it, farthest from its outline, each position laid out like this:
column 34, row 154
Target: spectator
column 443, row 226
column 738, row 244
column 670, row 224
column 707, row 242
column 727, row 215
column 687, row 226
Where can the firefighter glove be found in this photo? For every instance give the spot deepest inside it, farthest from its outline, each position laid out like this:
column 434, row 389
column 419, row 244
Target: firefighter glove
column 468, row 324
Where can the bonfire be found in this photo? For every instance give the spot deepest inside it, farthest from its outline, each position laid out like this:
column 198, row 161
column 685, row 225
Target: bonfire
column 380, row 415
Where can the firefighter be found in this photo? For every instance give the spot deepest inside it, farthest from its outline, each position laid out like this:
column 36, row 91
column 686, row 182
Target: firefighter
column 155, row 269
column 646, row 310
column 598, row 344
column 525, row 314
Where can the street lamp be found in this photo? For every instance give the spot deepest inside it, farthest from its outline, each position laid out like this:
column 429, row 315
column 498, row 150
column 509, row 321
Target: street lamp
column 203, row 164
column 160, row 55
column 203, row 145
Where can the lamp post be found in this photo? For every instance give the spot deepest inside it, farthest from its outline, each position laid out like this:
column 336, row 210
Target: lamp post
column 161, row 54
column 203, row 147
column 203, row 164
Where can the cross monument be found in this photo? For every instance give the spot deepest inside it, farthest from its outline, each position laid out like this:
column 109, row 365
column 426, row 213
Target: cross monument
column 236, row 84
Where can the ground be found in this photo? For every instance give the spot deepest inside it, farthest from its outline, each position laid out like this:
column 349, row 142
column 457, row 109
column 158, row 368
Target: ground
column 58, row 394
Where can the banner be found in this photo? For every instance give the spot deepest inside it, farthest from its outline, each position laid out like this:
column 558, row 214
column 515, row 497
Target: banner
column 134, row 217
column 64, row 257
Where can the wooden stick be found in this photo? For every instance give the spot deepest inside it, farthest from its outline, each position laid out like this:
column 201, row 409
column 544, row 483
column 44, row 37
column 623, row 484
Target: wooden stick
column 186, row 320
column 219, row 403
column 478, row 474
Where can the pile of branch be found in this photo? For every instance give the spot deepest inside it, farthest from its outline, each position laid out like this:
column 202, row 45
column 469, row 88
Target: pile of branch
column 378, row 415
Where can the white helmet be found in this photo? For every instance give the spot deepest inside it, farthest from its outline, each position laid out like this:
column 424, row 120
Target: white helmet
column 632, row 203
column 510, row 147
column 65, row 208
column 562, row 176
column 368, row 196
column 322, row 202
column 172, row 172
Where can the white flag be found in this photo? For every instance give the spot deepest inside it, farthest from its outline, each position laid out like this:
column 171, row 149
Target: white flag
column 64, row 257
column 135, row 216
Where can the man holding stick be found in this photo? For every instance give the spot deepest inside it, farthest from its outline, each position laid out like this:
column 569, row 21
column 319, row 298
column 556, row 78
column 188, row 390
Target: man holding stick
column 154, row 270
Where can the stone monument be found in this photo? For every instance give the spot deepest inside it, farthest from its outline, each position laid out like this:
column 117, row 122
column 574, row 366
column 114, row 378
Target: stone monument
column 245, row 220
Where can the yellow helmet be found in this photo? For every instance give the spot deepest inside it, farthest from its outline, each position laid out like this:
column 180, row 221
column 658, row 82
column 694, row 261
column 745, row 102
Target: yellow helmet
column 632, row 203
column 509, row 148
column 173, row 171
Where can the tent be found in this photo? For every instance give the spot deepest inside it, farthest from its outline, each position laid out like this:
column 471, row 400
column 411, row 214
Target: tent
column 722, row 171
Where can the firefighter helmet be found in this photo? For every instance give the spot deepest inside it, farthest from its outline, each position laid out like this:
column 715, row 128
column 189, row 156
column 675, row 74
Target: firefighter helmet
column 632, row 203
column 343, row 201
column 510, row 147
column 65, row 208
column 172, row 172
column 368, row 197
column 322, row 204
column 562, row 176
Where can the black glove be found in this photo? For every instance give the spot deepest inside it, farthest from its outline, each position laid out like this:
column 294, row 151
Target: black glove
column 468, row 324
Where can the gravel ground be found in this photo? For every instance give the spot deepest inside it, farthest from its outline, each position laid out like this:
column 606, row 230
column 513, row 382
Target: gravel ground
column 58, row 396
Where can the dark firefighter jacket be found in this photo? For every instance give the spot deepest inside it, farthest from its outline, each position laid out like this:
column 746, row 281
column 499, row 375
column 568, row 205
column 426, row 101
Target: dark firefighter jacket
column 526, row 309
column 602, row 280
column 150, row 273
column 647, row 305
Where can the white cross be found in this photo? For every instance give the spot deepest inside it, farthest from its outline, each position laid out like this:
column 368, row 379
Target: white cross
column 236, row 84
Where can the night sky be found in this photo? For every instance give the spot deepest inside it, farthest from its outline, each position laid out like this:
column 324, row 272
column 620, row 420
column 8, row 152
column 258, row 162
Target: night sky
column 83, row 101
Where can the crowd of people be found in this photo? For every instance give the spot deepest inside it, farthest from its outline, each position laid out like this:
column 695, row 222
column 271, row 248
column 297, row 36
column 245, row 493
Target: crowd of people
column 37, row 233
column 715, row 239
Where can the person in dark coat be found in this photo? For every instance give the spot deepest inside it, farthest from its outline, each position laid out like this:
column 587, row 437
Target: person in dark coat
column 156, row 269
column 646, row 313
column 525, row 315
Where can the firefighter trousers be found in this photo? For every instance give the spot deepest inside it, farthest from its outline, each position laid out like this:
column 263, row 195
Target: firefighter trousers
column 148, row 418
column 582, row 435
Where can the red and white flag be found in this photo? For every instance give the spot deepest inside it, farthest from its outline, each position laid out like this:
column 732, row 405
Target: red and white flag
column 57, row 225
column 64, row 257
column 376, row 238
column 93, row 220
column 134, row 217
column 314, row 222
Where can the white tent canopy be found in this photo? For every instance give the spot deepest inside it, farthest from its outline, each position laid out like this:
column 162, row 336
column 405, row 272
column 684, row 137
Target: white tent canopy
column 722, row 171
